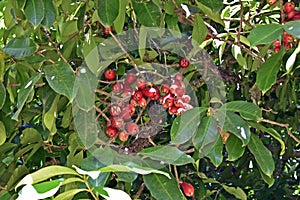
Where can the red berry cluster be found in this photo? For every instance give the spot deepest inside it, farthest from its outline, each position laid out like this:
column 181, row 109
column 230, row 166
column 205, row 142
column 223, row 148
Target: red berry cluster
column 136, row 93
column 288, row 42
column 291, row 13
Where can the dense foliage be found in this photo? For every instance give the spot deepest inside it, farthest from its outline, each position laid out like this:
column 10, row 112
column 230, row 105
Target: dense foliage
column 156, row 99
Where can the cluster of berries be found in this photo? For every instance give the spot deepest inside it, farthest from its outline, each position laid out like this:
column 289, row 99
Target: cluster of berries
column 291, row 13
column 135, row 92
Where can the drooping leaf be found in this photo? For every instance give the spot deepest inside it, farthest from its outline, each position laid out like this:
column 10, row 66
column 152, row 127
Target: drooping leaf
column 199, row 30
column 2, row 95
column 269, row 180
column 35, row 11
column 234, row 148
column 267, row 73
column 61, row 78
column 108, row 11
column 206, row 136
column 233, row 123
column 147, row 13
column 265, row 34
column 167, row 154
column 235, row 191
column 119, row 21
column 2, row 133
column 248, row 111
column 162, row 188
column 50, row 14
column 20, row 47
column 216, row 154
column 293, row 28
column 215, row 5
column 24, row 93
column 262, row 155
column 186, row 125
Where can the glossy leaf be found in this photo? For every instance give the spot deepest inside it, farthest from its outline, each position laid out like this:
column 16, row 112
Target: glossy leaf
column 24, row 93
column 262, row 155
column 60, row 78
column 269, row 180
column 35, row 11
column 2, row 133
column 50, row 14
column 30, row 136
column 186, row 125
column 162, row 188
column 108, row 11
column 235, row 124
column 91, row 55
column 2, row 95
column 234, row 148
column 20, row 47
column 199, row 30
column 247, row 110
column 206, row 136
column 46, row 173
column 49, row 117
column 237, row 192
column 216, row 154
column 265, row 34
column 267, row 73
column 147, row 13
column 120, row 20
column 167, row 154
column 293, row 28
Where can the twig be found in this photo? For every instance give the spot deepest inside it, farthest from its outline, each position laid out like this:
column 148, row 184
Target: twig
column 139, row 192
column 176, row 175
column 241, row 23
column 102, row 113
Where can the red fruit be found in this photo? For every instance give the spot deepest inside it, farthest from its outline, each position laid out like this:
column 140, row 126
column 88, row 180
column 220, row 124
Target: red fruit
column 128, row 111
column 178, row 102
column 115, row 110
column 179, row 91
column 173, row 110
column 130, row 78
column 117, row 122
column 134, row 102
column 111, row 131
column 168, row 103
column 277, row 49
column 271, row 2
column 289, row 6
column 140, row 83
column 117, row 88
column 180, row 111
column 184, row 63
column 276, row 43
column 156, row 94
column 179, row 77
column 291, row 15
column 188, row 189
column 149, row 92
column 131, row 128
column 288, row 39
column 165, row 88
column 106, row 30
column 142, row 102
column 137, row 95
column 173, row 88
column 186, row 98
column 297, row 16
column 123, row 136
column 109, row 74
column 207, row 37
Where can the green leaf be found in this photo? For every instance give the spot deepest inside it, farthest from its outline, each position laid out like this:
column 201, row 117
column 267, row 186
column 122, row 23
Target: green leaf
column 206, row 135
column 162, row 188
column 47, row 186
column 235, row 124
column 132, row 167
column 234, row 148
column 91, row 55
column 49, row 116
column 50, row 14
column 147, row 13
column 142, row 41
column 271, row 132
column 172, row 24
column 210, row 13
column 69, row 194
column 113, row 194
column 2, row 95
column 167, row 154
column 30, row 136
column 120, row 20
column 24, row 93
column 247, row 110
column 262, row 155
column 267, row 73
column 293, row 28
column 185, row 126
column 267, row 179
column 215, row 5
column 199, row 30
column 20, row 47
column 216, row 154
column 2, row 133
column 46, row 173
column 108, row 11
column 235, row 191
column 265, row 34
column 61, row 78
column 34, row 11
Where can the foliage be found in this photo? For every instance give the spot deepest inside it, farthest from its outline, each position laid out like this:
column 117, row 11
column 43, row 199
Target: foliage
column 240, row 139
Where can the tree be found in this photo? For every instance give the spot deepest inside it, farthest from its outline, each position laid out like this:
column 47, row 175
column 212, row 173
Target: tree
column 169, row 99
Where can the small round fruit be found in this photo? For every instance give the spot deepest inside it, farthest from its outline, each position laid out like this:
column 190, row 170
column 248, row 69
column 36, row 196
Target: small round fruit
column 107, row 30
column 173, row 110
column 178, row 77
column 111, row 131
column 137, row 95
column 291, row 15
column 179, row 91
column 289, row 6
column 109, row 74
column 130, row 78
column 140, row 83
column 115, row 110
column 131, row 128
column 123, row 136
column 188, row 189
column 117, row 88
column 276, row 43
column 117, row 122
column 184, row 63
column 128, row 111
column 142, row 102
column 165, row 88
